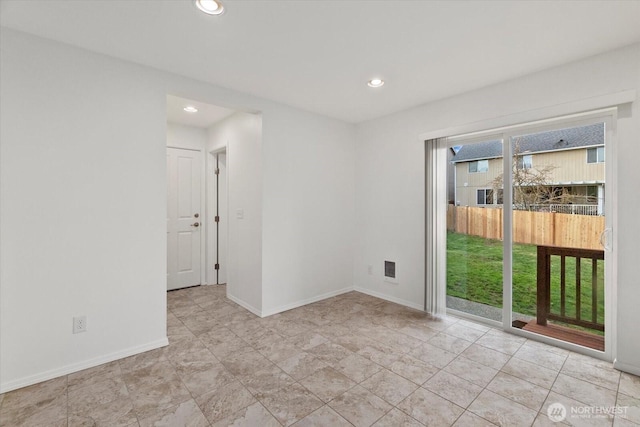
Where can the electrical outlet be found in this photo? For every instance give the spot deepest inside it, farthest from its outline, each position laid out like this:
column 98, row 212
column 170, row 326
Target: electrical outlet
column 79, row 324
column 370, row 269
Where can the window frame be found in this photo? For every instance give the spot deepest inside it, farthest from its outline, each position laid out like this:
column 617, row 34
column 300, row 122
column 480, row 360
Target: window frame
column 477, row 163
column 522, row 164
column 600, row 157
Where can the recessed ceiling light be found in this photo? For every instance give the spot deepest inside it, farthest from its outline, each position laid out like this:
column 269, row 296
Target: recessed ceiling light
column 210, row 7
column 375, row 83
column 190, row 109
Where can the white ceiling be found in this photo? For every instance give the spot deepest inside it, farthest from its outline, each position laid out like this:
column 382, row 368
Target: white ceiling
column 206, row 116
column 318, row 55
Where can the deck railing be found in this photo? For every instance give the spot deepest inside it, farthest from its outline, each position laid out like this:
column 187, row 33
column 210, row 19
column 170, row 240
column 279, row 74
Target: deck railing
column 573, row 209
column 544, row 312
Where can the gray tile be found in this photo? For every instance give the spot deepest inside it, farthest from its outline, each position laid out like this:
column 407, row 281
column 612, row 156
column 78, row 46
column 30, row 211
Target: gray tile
column 502, row 411
column 453, row 388
column 324, row 416
column 471, row 371
column 266, row 380
column 38, row 395
column 599, row 374
column 630, row 385
column 330, row 353
column 500, row 341
column 224, row 402
column 290, row 404
column 327, row 383
column 151, row 400
column 572, row 414
column 391, row 387
column 430, row 409
column 486, row 356
column 397, row 418
column 433, row 355
column 357, row 368
column 465, row 330
column 521, row 391
column 184, row 414
column 360, row 407
column 469, row 419
column 93, row 375
column 540, row 357
column 251, row 416
column 450, row 343
column 413, row 369
column 103, row 392
column 531, row 372
column 246, row 364
column 631, row 407
column 583, row 391
column 301, row 365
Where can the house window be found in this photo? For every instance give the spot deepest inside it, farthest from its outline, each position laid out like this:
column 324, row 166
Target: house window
column 484, row 196
column 500, row 196
column 479, row 166
column 595, row 155
column 525, row 162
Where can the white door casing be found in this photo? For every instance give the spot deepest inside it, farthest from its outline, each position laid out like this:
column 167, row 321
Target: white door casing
column 224, row 220
column 184, row 217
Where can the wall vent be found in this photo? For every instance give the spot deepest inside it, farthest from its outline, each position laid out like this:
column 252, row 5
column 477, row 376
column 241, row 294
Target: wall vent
column 390, row 269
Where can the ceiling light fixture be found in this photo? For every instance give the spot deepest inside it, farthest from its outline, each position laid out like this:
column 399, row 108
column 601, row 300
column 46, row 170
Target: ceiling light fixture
column 190, row 109
column 210, row 7
column 375, row 83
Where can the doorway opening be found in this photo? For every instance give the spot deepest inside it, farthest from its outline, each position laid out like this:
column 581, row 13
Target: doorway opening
column 192, row 220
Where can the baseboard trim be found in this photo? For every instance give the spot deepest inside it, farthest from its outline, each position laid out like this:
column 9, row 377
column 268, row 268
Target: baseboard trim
column 390, row 298
column 75, row 367
column 245, row 305
column 635, row 370
column 311, row 300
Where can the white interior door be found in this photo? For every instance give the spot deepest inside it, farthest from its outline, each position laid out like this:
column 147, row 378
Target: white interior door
column 183, row 217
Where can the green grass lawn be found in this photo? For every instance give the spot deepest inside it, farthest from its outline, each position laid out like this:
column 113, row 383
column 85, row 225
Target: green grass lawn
column 474, row 273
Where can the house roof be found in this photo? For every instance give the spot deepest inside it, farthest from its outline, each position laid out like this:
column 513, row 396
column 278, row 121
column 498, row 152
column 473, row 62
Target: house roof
column 555, row 140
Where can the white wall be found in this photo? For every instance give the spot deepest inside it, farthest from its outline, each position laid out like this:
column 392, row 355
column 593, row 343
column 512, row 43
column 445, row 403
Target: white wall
column 294, row 244
column 83, row 200
column 308, row 205
column 82, row 216
column 390, row 176
column 189, row 137
column 241, row 134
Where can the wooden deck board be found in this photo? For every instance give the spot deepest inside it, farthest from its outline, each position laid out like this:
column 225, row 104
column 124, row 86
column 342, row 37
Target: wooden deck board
column 567, row 334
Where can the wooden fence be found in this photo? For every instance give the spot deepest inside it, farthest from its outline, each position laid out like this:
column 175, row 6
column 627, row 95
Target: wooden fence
column 536, row 228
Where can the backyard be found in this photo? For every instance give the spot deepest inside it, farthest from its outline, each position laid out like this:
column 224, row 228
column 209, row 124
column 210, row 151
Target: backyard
column 474, row 273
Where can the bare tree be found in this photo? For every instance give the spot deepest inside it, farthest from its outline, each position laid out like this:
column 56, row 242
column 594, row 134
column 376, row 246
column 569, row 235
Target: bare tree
column 532, row 186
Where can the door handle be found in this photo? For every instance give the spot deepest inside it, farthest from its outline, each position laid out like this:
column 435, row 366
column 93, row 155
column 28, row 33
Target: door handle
column 195, row 224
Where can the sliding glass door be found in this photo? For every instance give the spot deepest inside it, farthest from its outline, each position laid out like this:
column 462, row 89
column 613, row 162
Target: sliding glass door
column 527, row 229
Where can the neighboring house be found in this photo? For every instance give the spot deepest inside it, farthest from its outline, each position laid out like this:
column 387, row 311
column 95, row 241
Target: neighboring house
column 566, row 167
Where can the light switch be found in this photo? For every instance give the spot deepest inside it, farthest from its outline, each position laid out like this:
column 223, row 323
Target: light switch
column 240, row 213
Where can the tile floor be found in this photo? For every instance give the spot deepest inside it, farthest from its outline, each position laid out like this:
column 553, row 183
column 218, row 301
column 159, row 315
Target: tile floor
column 348, row 360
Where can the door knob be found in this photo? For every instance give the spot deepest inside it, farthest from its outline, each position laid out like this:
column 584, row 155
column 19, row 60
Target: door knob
column 195, row 224
column 196, row 215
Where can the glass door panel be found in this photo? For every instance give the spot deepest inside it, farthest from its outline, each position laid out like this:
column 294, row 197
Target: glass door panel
column 558, row 183
column 474, row 229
